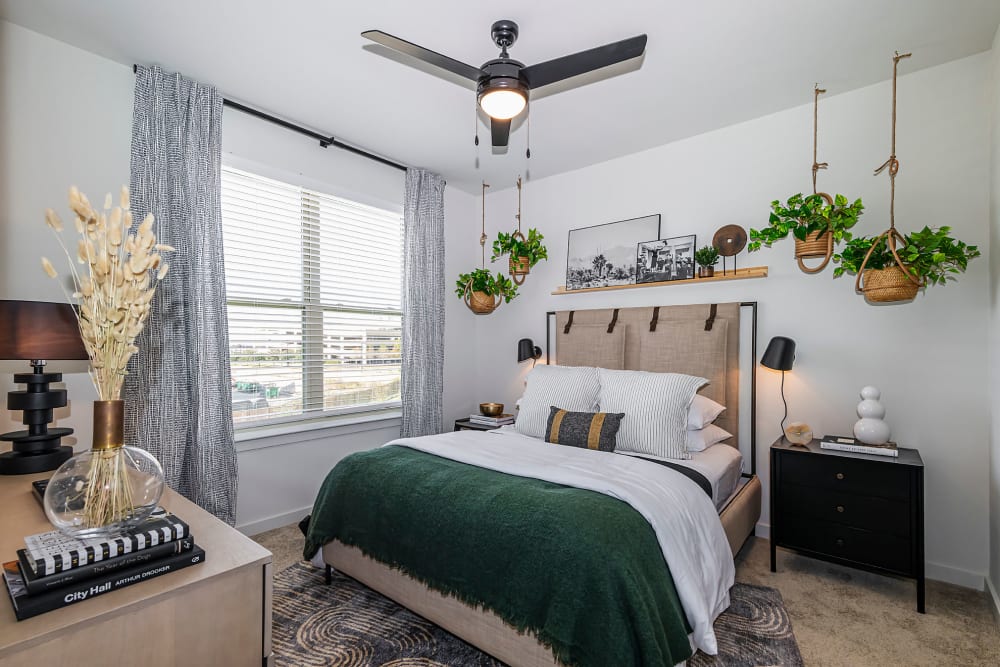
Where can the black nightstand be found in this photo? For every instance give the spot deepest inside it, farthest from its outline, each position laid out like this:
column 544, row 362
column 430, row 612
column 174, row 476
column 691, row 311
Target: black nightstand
column 468, row 425
column 860, row 510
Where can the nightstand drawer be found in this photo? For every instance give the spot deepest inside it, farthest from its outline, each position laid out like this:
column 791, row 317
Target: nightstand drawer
column 861, row 546
column 847, row 475
column 866, row 512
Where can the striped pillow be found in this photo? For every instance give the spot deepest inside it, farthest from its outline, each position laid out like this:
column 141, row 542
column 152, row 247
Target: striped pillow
column 574, row 388
column 590, row 430
column 656, row 408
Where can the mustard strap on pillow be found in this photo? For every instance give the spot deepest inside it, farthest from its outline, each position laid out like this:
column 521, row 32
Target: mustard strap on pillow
column 589, row 430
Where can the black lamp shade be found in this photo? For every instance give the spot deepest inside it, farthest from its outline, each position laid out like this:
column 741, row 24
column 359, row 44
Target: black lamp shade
column 526, row 349
column 39, row 330
column 779, row 355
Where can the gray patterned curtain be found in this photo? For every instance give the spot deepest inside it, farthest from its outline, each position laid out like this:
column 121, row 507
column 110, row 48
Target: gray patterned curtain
column 177, row 394
column 423, row 303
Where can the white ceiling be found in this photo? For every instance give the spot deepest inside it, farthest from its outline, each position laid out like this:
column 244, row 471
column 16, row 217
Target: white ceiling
column 708, row 64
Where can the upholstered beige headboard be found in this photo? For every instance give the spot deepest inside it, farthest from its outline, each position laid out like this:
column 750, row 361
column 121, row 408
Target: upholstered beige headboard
column 702, row 340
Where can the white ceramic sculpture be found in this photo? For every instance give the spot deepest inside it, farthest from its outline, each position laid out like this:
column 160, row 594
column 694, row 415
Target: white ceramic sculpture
column 871, row 429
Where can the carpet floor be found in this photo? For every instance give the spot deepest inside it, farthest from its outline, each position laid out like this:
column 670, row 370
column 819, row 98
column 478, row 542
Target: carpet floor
column 349, row 625
column 841, row 617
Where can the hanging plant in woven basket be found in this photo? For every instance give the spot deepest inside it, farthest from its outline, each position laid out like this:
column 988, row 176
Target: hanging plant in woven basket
column 481, row 291
column 524, row 252
column 891, row 267
column 818, row 222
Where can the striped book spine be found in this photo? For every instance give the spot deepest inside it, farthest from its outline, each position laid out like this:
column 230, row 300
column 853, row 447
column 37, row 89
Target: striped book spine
column 52, row 552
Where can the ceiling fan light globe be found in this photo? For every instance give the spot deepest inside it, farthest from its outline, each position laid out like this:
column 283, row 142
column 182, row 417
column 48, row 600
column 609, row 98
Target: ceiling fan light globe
column 502, row 103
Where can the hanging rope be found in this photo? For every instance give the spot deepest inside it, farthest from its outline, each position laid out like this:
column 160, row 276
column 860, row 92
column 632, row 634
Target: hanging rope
column 820, row 247
column 816, row 165
column 890, row 236
column 892, row 163
column 482, row 235
column 517, row 276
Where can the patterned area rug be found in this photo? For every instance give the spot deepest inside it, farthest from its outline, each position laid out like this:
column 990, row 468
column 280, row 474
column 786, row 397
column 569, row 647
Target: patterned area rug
column 347, row 624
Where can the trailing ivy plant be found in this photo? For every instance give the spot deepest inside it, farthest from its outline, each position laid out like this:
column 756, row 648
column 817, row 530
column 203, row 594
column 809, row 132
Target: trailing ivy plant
column 707, row 256
column 802, row 215
column 931, row 255
column 531, row 247
column 484, row 281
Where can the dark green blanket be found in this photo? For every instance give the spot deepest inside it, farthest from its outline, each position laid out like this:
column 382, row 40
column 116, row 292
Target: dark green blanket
column 579, row 569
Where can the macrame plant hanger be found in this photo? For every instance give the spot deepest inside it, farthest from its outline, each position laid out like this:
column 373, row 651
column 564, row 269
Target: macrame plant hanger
column 520, row 267
column 888, row 285
column 822, row 244
column 479, row 302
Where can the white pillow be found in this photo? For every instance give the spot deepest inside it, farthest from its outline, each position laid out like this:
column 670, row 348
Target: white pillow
column 573, row 388
column 703, row 411
column 656, row 409
column 702, row 439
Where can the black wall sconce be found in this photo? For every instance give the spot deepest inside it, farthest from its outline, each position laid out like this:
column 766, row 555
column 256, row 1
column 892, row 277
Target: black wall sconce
column 526, row 349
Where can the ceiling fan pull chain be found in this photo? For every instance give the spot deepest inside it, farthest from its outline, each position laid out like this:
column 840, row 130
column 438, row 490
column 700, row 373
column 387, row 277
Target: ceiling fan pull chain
column 475, row 118
column 527, row 153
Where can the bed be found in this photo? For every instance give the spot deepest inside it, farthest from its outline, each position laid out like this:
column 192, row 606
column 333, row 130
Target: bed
column 414, row 563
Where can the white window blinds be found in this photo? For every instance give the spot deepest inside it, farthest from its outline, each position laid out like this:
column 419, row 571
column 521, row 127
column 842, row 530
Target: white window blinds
column 313, row 289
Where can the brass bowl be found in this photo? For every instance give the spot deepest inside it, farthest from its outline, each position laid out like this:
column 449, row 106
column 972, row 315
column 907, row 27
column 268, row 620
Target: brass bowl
column 491, row 409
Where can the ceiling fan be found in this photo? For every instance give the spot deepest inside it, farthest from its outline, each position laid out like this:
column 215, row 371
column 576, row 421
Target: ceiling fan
column 503, row 84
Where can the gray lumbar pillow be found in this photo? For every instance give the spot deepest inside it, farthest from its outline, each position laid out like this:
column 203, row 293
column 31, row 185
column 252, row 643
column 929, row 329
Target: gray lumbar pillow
column 589, row 430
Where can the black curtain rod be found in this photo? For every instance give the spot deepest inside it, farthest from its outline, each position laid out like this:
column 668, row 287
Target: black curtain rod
column 324, row 141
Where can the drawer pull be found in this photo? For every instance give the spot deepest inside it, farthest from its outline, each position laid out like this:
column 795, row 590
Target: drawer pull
column 840, row 475
column 840, row 508
column 839, row 541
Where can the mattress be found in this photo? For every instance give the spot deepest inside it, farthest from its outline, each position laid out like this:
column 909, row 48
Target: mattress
column 720, row 464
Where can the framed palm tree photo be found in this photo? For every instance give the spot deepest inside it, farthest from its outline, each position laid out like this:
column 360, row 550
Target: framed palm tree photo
column 605, row 255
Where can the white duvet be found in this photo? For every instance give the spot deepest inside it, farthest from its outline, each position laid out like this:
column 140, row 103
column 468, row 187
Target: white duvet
column 683, row 517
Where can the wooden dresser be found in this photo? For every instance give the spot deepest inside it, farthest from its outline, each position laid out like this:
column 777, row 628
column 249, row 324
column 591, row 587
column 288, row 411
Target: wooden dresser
column 860, row 510
column 214, row 613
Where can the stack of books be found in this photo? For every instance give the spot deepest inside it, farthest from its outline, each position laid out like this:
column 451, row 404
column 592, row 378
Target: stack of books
column 844, row 444
column 491, row 421
column 54, row 571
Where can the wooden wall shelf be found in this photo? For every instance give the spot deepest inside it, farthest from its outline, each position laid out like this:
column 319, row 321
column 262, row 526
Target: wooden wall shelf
column 737, row 274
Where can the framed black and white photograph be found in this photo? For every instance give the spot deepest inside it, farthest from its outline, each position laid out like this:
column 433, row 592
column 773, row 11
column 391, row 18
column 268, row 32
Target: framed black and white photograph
column 604, row 255
column 665, row 259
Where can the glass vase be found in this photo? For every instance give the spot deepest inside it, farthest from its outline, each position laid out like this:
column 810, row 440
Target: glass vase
column 107, row 490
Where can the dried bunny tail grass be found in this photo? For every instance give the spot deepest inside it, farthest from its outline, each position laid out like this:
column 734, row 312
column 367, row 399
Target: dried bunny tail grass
column 52, row 220
column 49, row 269
column 117, row 286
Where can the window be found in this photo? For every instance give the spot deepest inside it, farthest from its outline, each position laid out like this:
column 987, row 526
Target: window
column 313, row 289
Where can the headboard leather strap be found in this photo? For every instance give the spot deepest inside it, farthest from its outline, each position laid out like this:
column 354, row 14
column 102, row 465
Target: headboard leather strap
column 656, row 317
column 614, row 321
column 569, row 322
column 711, row 316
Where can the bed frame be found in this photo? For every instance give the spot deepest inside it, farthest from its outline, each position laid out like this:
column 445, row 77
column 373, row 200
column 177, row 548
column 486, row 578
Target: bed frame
column 481, row 627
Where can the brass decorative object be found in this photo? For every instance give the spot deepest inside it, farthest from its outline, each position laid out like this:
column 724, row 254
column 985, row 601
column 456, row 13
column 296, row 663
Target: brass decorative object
column 491, row 409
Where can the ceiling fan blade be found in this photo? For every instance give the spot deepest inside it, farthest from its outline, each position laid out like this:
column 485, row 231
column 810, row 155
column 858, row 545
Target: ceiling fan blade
column 500, row 129
column 420, row 53
column 551, row 71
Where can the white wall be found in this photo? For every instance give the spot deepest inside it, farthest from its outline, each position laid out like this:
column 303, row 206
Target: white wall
column 65, row 119
column 927, row 357
column 994, row 343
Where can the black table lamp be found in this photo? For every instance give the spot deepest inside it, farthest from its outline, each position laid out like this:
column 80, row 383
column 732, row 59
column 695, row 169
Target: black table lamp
column 526, row 349
column 36, row 331
column 779, row 356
